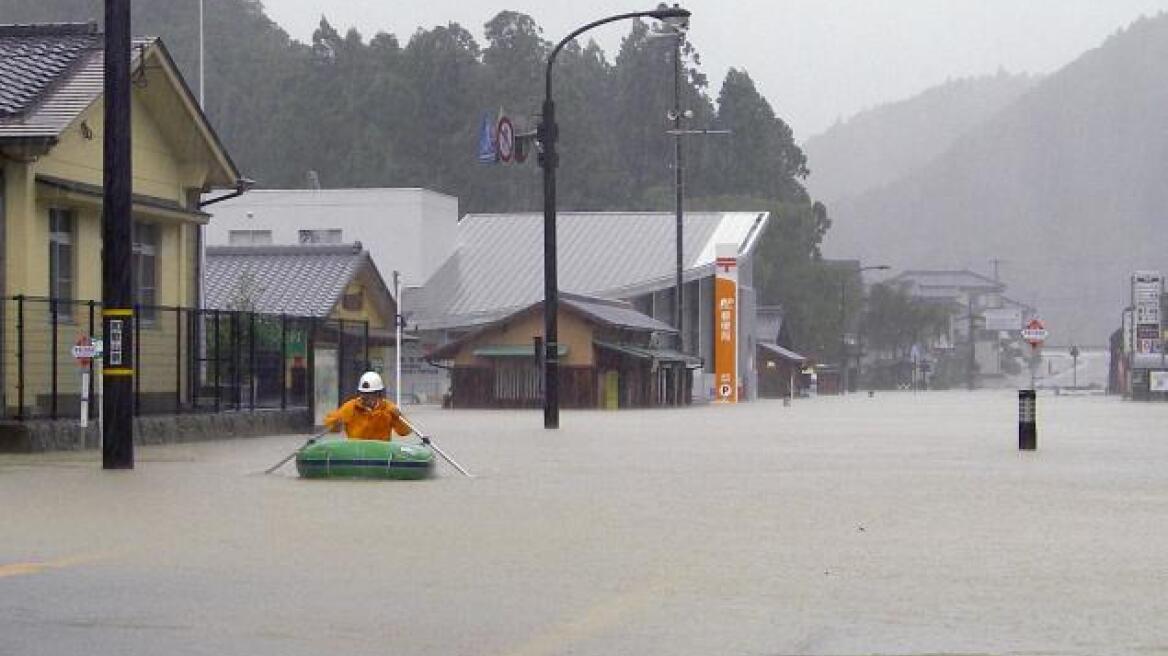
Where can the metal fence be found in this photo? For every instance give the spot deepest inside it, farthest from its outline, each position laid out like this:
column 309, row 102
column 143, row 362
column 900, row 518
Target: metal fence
column 187, row 360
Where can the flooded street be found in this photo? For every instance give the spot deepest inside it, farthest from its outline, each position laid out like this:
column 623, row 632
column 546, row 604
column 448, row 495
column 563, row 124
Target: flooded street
column 900, row 524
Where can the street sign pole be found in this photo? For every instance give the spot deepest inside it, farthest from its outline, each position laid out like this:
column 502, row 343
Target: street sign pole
column 1035, row 334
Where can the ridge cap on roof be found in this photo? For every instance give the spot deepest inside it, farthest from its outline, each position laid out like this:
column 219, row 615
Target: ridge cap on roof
column 289, row 249
column 594, row 300
column 49, row 29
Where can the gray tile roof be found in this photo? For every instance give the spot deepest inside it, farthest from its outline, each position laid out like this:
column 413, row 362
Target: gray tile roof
column 606, row 312
column 49, row 74
column 33, row 57
column 498, row 265
column 782, row 352
column 299, row 280
column 956, row 280
column 52, row 72
column 614, row 313
column 768, row 323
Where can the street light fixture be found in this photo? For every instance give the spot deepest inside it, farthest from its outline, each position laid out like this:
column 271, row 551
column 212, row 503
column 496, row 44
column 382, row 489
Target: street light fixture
column 547, row 134
column 844, row 323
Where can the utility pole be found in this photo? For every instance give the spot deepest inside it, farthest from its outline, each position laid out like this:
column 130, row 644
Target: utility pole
column 117, row 234
column 972, row 341
column 996, row 261
column 202, row 53
column 398, row 323
column 677, row 115
column 679, row 182
column 843, row 372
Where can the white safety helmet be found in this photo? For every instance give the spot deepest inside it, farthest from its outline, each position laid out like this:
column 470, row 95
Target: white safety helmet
column 370, row 382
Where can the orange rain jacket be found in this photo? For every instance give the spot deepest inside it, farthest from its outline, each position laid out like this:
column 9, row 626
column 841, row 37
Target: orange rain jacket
column 361, row 423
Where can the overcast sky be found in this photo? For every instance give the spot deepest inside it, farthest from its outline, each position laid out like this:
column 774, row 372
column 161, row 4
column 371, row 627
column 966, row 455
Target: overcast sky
column 815, row 60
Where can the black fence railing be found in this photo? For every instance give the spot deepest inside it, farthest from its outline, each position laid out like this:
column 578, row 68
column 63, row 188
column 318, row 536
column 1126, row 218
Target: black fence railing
column 187, row 360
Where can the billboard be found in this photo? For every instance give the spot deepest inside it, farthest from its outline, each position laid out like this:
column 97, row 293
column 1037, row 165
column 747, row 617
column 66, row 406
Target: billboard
column 726, row 323
column 1146, row 289
column 1003, row 319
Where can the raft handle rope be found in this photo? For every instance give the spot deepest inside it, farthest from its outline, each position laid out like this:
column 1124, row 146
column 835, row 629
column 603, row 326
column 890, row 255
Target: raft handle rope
column 312, row 440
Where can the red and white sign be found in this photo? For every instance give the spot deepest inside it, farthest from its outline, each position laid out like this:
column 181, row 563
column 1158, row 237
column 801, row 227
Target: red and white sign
column 84, row 351
column 1035, row 332
column 505, row 139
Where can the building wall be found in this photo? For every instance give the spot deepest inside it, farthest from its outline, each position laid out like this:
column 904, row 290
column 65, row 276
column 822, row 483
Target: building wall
column 157, row 173
column 408, row 230
column 160, row 170
column 572, row 331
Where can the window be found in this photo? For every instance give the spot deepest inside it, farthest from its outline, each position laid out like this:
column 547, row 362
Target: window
column 61, row 222
column 249, row 237
column 331, row 236
column 146, row 269
column 516, row 379
column 353, row 299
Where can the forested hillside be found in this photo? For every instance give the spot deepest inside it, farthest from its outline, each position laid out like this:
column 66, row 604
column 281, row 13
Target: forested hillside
column 1065, row 187
column 883, row 144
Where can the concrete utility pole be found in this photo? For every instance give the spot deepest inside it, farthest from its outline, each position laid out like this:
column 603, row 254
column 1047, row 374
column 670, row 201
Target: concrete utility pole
column 398, row 322
column 117, row 241
column 679, row 182
column 972, row 342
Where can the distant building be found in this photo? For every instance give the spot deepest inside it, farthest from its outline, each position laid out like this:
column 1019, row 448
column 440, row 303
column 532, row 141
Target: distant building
column 412, row 231
column 338, row 288
column 496, row 270
column 969, row 299
column 611, row 357
column 779, row 366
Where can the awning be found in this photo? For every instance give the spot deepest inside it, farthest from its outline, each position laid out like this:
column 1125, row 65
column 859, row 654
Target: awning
column 513, row 351
column 646, row 353
column 87, row 194
column 782, row 352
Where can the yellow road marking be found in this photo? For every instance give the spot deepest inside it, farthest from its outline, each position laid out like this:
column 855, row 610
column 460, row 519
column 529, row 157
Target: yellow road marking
column 36, row 567
column 595, row 619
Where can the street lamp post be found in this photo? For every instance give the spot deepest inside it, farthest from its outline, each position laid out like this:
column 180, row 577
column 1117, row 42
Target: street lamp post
column 548, row 159
column 844, row 323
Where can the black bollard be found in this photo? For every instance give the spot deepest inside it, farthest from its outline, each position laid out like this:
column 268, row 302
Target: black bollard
column 1027, row 420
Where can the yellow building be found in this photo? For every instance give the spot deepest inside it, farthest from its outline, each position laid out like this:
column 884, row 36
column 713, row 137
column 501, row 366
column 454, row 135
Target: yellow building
column 330, row 305
column 609, row 357
column 51, row 122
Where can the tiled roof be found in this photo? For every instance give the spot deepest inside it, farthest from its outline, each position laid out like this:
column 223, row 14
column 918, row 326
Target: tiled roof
column 618, row 314
column 782, row 352
column 52, row 72
column 33, row 57
column 768, row 323
column 498, row 265
column 614, row 313
column 300, row 280
column 956, row 280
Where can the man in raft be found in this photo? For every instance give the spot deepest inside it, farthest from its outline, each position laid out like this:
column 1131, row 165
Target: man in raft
column 368, row 416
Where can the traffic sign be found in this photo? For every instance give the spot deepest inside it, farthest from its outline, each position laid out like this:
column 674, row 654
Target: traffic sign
column 505, row 139
column 85, row 350
column 1035, row 332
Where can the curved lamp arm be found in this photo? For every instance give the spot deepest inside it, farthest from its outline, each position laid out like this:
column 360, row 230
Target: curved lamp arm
column 662, row 13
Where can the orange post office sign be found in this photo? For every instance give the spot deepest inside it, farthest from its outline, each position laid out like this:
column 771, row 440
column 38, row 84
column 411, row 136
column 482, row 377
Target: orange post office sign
column 726, row 324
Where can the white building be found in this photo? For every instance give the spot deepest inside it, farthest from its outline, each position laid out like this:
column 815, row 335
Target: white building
column 409, row 230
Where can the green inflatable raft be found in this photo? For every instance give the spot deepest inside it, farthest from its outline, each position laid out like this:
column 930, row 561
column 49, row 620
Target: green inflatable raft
column 365, row 459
